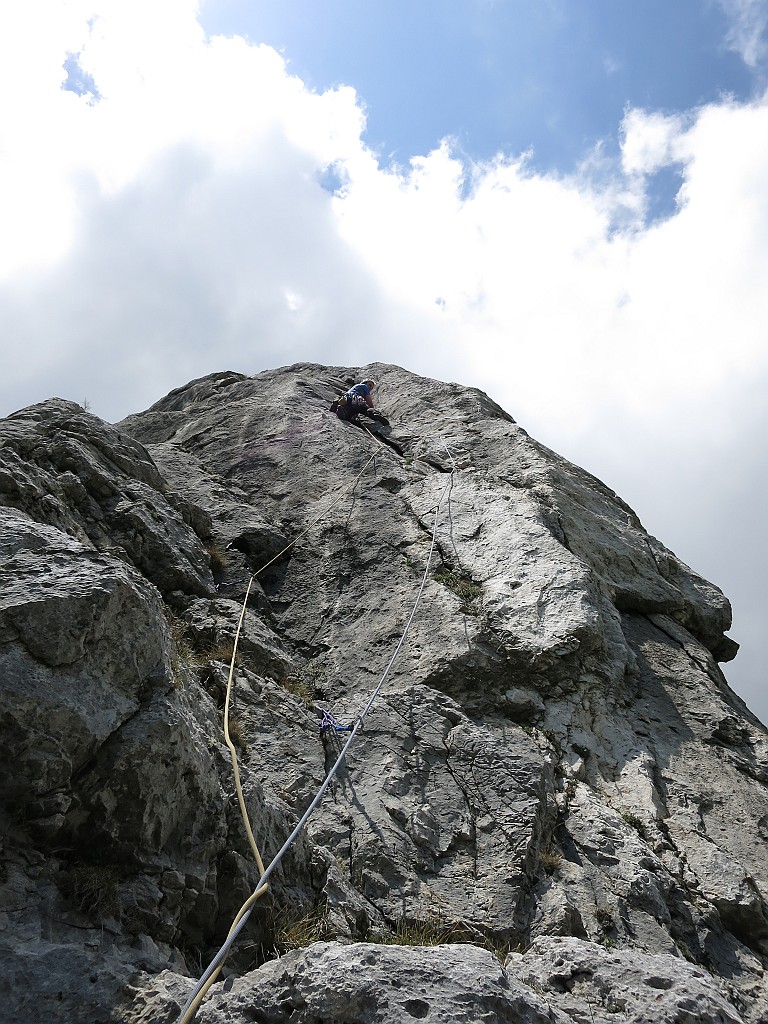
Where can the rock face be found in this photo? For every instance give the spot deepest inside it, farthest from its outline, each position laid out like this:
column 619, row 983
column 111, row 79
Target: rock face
column 556, row 810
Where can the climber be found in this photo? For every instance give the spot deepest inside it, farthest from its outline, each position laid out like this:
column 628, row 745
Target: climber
column 358, row 401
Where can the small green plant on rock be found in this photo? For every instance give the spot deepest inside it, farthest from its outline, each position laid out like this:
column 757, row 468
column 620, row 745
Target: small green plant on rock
column 223, row 650
column 183, row 652
column 308, row 929
column 306, row 684
column 551, row 737
column 501, row 948
column 293, row 930
column 300, row 688
column 435, row 930
column 464, row 587
column 217, row 557
column 634, row 822
column 431, row 930
column 605, row 919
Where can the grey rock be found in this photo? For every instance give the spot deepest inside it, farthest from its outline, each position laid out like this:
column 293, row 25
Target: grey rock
column 68, row 469
column 40, row 978
column 457, row 984
column 450, row 823
column 555, row 763
column 587, row 982
column 73, row 672
column 214, row 623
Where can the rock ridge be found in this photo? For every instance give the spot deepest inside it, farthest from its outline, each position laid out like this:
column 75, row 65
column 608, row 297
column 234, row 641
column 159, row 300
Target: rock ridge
column 557, row 809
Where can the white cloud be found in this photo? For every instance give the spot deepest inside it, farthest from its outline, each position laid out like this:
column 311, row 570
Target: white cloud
column 650, row 141
column 582, row 316
column 178, row 226
column 748, row 35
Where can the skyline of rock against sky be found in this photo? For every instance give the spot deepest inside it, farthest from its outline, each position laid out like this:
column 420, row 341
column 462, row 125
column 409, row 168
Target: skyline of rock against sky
column 563, row 206
column 556, row 802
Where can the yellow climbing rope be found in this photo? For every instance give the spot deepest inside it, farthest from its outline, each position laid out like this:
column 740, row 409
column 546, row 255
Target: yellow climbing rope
column 230, row 678
column 230, row 744
column 209, row 977
column 193, row 1006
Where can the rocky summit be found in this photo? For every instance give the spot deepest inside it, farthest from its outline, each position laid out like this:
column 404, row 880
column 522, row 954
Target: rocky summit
column 555, row 809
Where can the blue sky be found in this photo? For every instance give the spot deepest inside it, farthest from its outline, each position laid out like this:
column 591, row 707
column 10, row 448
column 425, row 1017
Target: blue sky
column 547, row 76
column 190, row 187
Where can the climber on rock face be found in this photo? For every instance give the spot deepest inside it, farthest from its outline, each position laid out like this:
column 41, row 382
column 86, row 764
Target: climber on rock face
column 358, row 401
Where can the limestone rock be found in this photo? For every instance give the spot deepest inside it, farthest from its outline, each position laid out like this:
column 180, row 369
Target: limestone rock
column 451, row 822
column 588, row 982
column 555, row 763
column 73, row 672
column 456, row 984
column 68, row 469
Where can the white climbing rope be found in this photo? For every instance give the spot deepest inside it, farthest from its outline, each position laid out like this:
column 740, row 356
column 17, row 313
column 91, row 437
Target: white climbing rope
column 208, row 978
column 191, row 1008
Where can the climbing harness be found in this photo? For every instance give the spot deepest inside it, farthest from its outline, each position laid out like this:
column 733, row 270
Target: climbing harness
column 211, row 973
column 350, row 405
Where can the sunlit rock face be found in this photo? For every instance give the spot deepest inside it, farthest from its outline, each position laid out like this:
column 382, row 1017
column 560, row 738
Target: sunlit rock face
column 556, row 810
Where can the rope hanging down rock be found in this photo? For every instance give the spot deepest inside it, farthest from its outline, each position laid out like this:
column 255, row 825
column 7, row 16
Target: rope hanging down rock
column 203, row 985
column 192, row 1006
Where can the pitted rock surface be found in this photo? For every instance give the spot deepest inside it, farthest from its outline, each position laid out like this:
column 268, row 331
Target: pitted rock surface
column 364, row 982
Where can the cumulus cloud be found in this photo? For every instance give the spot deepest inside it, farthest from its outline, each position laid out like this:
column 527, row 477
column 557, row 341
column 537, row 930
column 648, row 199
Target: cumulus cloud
column 196, row 208
column 650, row 140
column 527, row 267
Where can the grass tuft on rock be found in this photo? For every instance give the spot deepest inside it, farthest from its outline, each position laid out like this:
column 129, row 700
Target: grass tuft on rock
column 432, row 930
column 217, row 558
column 237, row 734
column 306, row 684
column 92, row 889
column 464, row 587
column 550, row 861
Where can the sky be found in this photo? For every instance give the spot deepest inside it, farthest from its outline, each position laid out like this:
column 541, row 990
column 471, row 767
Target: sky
column 562, row 202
